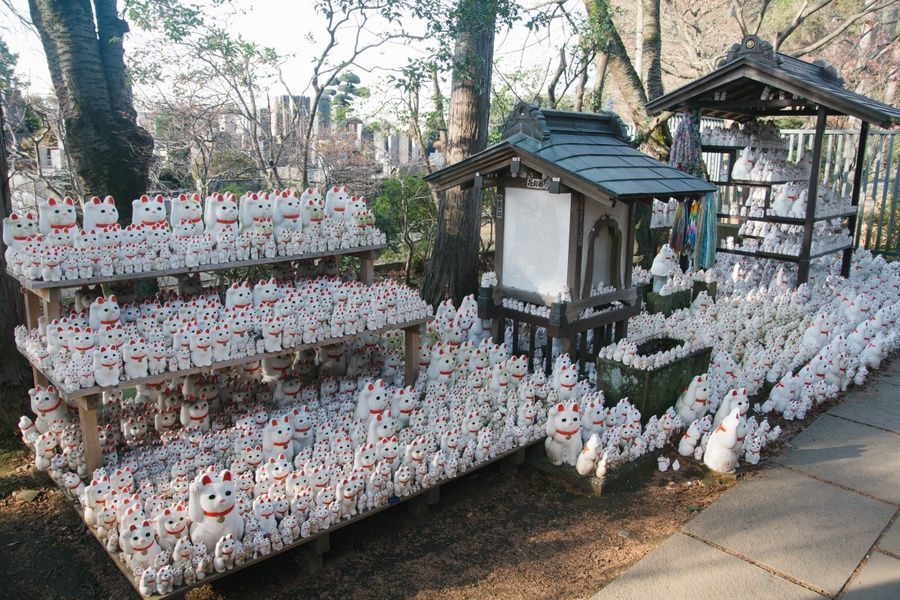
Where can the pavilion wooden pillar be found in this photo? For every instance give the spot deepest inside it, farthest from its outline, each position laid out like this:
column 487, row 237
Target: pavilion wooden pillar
column 854, row 195
column 812, row 197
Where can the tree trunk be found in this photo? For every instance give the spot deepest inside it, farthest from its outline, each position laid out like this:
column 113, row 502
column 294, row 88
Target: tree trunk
column 601, row 61
column 581, row 82
column 639, row 37
column 651, row 49
column 14, row 371
column 438, row 98
column 654, row 140
column 110, row 152
column 310, row 128
column 453, row 268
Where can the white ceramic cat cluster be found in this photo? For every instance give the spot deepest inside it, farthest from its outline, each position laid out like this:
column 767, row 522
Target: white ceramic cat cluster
column 788, row 239
column 640, row 275
column 108, row 343
column 527, row 307
column 790, row 200
column 756, row 165
column 183, row 232
column 663, row 213
column 722, row 437
column 626, row 352
column 596, row 439
column 762, row 134
column 241, row 471
column 806, row 344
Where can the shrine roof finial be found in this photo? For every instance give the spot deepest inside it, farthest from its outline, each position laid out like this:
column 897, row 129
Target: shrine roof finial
column 751, row 46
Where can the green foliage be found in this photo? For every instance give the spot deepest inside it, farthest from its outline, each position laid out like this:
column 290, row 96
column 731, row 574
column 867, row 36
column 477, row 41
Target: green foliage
column 231, row 164
column 791, row 122
column 504, row 98
column 8, row 62
column 404, row 210
column 344, row 90
column 174, row 19
column 203, row 50
column 172, row 179
column 443, row 23
column 33, row 121
column 236, row 188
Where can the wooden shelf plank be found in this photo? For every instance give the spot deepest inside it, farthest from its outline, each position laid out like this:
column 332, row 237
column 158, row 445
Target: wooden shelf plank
column 782, row 257
column 712, row 148
column 32, row 284
column 757, row 254
column 785, row 220
column 68, row 394
column 762, row 184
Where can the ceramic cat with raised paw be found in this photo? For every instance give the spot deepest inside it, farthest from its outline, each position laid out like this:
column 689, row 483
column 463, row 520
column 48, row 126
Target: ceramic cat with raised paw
column 563, row 443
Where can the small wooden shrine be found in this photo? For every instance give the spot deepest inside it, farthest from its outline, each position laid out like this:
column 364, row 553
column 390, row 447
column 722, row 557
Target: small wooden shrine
column 567, row 184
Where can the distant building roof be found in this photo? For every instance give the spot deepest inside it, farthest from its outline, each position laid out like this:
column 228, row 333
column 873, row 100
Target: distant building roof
column 735, row 89
column 589, row 152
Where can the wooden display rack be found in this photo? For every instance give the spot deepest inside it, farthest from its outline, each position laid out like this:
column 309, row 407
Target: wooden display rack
column 43, row 298
column 806, row 254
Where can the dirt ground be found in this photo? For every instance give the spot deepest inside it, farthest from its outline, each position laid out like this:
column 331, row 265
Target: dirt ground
column 490, row 536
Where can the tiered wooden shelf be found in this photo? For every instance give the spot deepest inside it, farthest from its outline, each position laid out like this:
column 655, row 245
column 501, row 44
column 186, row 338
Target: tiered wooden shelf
column 785, row 220
column 75, row 393
column 781, row 257
column 43, row 299
column 807, row 222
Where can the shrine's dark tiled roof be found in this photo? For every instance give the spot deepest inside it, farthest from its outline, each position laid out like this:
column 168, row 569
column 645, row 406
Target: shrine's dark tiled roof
column 586, row 151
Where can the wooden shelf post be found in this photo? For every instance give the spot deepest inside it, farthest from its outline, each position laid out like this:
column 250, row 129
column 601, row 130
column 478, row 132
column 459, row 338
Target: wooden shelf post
column 87, row 415
column 32, row 320
column 367, row 269
column 411, row 353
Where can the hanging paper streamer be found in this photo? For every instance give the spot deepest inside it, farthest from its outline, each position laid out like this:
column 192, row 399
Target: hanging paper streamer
column 705, row 246
column 679, row 227
column 692, row 226
column 686, row 154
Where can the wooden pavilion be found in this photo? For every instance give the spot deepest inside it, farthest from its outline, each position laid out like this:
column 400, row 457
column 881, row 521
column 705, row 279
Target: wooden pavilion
column 753, row 81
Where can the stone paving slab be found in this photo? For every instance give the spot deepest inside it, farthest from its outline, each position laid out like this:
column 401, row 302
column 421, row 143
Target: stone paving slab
column 683, row 568
column 888, row 375
column 809, row 530
column 879, row 579
column 878, row 406
column 890, row 542
column 853, row 455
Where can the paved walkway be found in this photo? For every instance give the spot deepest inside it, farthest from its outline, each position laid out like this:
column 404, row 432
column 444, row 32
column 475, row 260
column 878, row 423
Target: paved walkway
column 822, row 522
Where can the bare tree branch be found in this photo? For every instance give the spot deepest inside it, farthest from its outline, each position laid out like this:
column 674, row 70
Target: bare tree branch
column 737, row 11
column 868, row 8
column 802, row 15
column 760, row 16
column 560, row 69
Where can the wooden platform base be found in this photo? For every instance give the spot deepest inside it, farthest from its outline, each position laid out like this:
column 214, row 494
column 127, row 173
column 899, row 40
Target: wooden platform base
column 316, row 545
